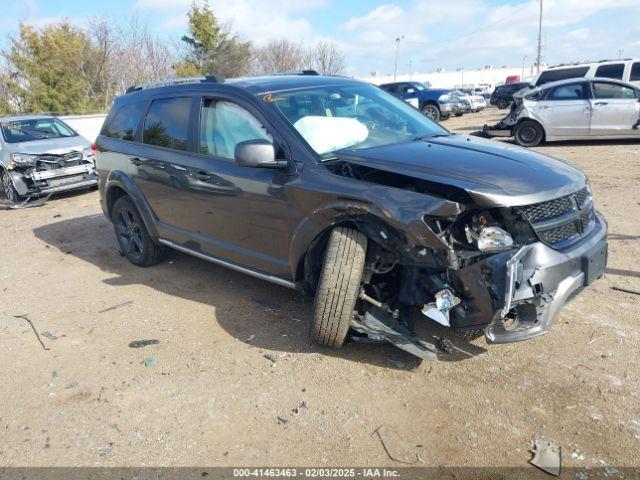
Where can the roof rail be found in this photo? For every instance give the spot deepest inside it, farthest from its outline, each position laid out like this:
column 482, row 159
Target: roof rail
column 173, row 81
column 297, row 72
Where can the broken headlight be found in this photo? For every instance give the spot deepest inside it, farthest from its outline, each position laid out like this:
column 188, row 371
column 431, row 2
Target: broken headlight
column 23, row 159
column 486, row 235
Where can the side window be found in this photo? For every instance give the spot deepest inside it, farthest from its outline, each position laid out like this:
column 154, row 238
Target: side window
column 167, row 123
column 224, row 124
column 613, row 70
column 391, row 88
column 635, row 72
column 561, row 74
column 612, row 91
column 572, row 91
column 124, row 123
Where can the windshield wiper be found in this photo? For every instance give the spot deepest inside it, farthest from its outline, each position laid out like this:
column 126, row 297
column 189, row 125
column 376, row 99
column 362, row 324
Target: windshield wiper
column 419, row 138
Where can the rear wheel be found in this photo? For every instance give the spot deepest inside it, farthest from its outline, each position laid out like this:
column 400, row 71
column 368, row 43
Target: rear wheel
column 132, row 234
column 528, row 133
column 503, row 103
column 339, row 287
column 432, row 112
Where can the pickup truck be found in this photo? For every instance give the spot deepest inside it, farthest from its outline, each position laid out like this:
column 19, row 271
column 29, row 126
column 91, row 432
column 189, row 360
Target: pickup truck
column 434, row 103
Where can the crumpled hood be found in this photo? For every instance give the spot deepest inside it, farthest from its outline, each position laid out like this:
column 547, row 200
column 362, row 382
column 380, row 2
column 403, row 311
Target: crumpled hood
column 494, row 173
column 50, row 145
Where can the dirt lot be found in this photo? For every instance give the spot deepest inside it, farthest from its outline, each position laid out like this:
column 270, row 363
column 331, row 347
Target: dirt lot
column 232, row 380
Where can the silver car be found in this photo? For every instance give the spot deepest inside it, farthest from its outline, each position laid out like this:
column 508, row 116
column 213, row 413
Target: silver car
column 40, row 155
column 572, row 109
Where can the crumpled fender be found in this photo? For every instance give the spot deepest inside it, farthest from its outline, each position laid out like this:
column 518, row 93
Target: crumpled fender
column 18, row 182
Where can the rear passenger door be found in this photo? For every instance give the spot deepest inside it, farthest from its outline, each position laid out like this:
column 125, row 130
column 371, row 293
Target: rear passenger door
column 615, row 109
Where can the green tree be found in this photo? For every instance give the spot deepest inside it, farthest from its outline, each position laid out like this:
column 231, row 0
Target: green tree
column 54, row 69
column 212, row 48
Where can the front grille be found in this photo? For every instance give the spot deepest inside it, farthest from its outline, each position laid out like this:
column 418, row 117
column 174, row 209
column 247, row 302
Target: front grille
column 563, row 221
column 48, row 161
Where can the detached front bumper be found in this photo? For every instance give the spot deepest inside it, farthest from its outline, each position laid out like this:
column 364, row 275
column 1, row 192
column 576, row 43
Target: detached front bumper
column 56, row 180
column 539, row 281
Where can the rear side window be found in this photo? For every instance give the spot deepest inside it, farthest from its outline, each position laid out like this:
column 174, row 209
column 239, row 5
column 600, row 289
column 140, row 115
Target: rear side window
column 572, row 91
column 167, row 123
column 561, row 74
column 124, row 123
column 603, row 90
column 635, row 72
column 614, row 70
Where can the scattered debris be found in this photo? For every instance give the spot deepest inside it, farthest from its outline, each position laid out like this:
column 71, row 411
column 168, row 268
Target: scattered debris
column 27, row 203
column 402, row 457
column 71, row 385
column 281, row 421
column 618, row 289
column 149, row 362
column 577, row 456
column 143, row 343
column 300, row 408
column 49, row 335
column 54, row 374
column 268, row 307
column 270, row 358
column 113, row 307
column 25, row 316
column 104, row 451
column 547, row 457
column 251, row 337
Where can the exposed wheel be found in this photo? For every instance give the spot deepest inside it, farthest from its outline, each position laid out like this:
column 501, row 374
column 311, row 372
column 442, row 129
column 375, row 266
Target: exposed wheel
column 8, row 190
column 459, row 114
column 432, row 112
column 338, row 287
column 133, row 236
column 503, row 103
column 444, row 117
column 528, row 133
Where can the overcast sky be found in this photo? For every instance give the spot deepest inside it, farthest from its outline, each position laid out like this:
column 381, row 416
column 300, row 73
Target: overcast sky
column 437, row 33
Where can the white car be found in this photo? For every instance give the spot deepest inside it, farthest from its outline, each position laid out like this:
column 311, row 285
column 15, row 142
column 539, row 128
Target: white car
column 574, row 109
column 476, row 102
column 627, row 70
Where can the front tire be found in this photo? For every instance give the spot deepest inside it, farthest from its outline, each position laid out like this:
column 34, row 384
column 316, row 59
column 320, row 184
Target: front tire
column 8, row 190
column 339, row 287
column 432, row 112
column 133, row 237
column 528, row 133
column 502, row 104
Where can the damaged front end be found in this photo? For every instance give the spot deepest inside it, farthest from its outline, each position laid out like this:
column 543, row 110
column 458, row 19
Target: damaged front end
column 504, row 128
column 39, row 175
column 506, row 271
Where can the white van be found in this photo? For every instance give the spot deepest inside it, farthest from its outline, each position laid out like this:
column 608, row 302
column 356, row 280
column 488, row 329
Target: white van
column 627, row 70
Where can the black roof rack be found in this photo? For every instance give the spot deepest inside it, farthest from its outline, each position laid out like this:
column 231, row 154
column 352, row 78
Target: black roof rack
column 174, row 81
column 297, row 72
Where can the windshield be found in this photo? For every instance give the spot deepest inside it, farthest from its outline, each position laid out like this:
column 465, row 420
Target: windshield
column 419, row 86
column 340, row 117
column 35, row 129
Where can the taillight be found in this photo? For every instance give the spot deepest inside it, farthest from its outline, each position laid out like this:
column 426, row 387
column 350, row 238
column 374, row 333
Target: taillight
column 94, row 149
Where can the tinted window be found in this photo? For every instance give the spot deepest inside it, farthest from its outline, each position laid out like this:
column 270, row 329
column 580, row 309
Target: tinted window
column 612, row 90
column 635, row 72
column 614, row 70
column 572, row 91
column 167, row 123
column 124, row 123
column 224, row 124
column 561, row 74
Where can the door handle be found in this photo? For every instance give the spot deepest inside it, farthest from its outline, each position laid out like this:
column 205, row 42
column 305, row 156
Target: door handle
column 602, row 103
column 201, row 175
column 135, row 161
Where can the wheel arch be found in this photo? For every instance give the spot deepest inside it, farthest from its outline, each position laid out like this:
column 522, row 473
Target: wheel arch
column 530, row 119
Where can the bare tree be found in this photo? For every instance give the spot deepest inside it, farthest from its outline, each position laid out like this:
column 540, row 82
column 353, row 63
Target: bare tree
column 327, row 59
column 280, row 55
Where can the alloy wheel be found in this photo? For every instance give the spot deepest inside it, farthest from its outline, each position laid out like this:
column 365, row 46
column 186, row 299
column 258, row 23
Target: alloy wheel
column 129, row 234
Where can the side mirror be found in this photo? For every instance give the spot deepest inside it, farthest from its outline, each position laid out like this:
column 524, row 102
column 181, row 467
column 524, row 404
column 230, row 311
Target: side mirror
column 257, row 154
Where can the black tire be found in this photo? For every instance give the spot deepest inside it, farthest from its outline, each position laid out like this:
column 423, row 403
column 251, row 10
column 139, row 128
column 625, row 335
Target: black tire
column 444, row 118
column 133, row 237
column 339, row 287
column 8, row 191
column 432, row 112
column 528, row 133
column 503, row 103
column 459, row 114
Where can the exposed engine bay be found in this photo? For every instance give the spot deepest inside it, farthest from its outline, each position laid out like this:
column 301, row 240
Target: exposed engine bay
column 500, row 270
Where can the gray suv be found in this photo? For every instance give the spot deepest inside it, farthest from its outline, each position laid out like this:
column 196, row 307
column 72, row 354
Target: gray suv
column 41, row 155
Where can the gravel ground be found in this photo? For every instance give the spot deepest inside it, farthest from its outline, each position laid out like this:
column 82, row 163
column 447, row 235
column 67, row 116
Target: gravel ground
column 232, row 380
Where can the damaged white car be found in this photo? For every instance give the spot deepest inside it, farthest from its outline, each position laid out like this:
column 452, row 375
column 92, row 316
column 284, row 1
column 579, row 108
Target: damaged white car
column 41, row 155
column 572, row 109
